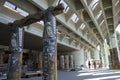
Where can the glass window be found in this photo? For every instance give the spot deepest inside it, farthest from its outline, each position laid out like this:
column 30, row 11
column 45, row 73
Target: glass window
column 101, row 22
column 99, row 14
column 82, row 26
column 74, row 18
column 22, row 12
column 66, row 7
column 10, row 6
column 93, row 4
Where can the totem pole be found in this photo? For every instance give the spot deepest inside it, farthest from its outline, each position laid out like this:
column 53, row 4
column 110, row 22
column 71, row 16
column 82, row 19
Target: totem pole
column 15, row 59
column 49, row 43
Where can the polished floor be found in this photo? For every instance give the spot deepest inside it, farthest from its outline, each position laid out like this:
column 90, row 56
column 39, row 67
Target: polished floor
column 101, row 74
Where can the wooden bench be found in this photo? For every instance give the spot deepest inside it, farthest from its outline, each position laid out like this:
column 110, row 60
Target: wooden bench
column 32, row 73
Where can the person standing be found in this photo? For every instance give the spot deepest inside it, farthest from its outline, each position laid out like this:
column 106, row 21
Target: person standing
column 89, row 64
column 94, row 64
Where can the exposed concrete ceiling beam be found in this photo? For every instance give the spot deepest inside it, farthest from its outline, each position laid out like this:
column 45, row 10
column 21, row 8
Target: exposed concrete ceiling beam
column 78, row 24
column 107, row 3
column 91, row 24
column 75, row 11
column 108, row 13
column 110, row 21
column 105, row 18
column 76, row 4
column 92, row 17
column 86, row 16
column 69, row 15
column 113, row 11
column 52, row 2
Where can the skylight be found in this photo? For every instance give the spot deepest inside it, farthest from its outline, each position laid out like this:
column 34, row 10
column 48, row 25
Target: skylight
column 15, row 8
column 10, row 6
column 102, row 22
column 74, row 18
column 66, row 7
column 22, row 12
column 82, row 26
column 93, row 4
column 99, row 14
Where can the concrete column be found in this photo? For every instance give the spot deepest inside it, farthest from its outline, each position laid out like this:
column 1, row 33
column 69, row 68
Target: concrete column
column 89, row 55
column 67, row 62
column 62, row 64
column 1, row 56
column 114, row 52
column 71, row 61
column 96, row 54
column 78, row 57
column 106, row 54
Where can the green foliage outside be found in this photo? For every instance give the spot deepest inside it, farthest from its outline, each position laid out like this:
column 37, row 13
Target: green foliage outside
column 118, row 35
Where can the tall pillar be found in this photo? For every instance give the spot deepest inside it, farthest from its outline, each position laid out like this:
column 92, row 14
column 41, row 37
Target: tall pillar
column 49, row 47
column 78, row 57
column 62, row 62
column 15, row 59
column 1, row 56
column 66, row 62
column 71, row 61
column 106, row 52
column 89, row 55
column 102, row 56
column 96, row 54
column 114, row 52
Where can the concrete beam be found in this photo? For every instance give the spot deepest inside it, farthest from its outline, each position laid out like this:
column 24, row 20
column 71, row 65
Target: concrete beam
column 78, row 24
column 51, row 2
column 76, row 4
column 86, row 16
column 25, row 5
column 92, row 17
column 100, row 20
column 91, row 24
column 70, row 41
column 61, row 18
column 69, row 15
column 106, row 3
column 110, row 21
column 108, row 13
column 96, row 10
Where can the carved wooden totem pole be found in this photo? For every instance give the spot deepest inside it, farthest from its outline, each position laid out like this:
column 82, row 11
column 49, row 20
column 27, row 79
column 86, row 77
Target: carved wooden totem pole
column 15, row 59
column 49, row 43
